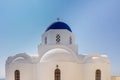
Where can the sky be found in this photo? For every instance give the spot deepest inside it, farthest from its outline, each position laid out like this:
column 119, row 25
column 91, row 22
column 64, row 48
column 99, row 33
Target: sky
column 95, row 24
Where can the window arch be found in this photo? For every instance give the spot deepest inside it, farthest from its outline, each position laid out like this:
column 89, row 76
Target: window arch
column 98, row 75
column 45, row 40
column 57, row 73
column 70, row 40
column 17, row 75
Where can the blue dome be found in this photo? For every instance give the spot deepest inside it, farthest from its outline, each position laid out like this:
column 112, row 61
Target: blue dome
column 59, row 25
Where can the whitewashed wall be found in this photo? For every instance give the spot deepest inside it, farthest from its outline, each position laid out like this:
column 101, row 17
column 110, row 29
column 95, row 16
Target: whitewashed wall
column 69, row 70
column 26, row 71
column 89, row 70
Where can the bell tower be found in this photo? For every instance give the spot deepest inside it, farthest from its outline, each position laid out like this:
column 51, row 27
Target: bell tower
column 58, row 34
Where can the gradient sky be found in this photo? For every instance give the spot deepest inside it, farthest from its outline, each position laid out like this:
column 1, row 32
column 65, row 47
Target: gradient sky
column 95, row 23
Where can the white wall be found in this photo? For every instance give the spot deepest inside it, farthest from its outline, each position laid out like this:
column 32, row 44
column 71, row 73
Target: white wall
column 69, row 70
column 26, row 71
column 90, row 68
column 51, row 41
column 64, row 37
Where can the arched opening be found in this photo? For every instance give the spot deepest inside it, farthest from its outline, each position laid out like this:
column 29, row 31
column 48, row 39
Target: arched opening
column 98, row 75
column 17, row 75
column 45, row 40
column 57, row 73
column 70, row 40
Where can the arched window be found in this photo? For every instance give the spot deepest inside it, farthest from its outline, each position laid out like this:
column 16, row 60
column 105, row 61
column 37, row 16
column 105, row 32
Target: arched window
column 70, row 40
column 17, row 75
column 57, row 73
column 45, row 40
column 98, row 75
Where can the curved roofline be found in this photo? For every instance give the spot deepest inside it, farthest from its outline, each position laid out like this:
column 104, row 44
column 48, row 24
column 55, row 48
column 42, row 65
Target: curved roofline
column 58, row 25
column 19, row 56
column 64, row 48
column 95, row 58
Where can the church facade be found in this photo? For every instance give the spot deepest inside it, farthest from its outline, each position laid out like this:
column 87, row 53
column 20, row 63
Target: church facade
column 58, row 59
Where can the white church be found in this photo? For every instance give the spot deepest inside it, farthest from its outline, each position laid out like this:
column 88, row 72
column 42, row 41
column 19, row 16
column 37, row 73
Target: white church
column 58, row 59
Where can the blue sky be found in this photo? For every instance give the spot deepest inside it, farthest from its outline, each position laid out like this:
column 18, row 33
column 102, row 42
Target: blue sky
column 95, row 23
